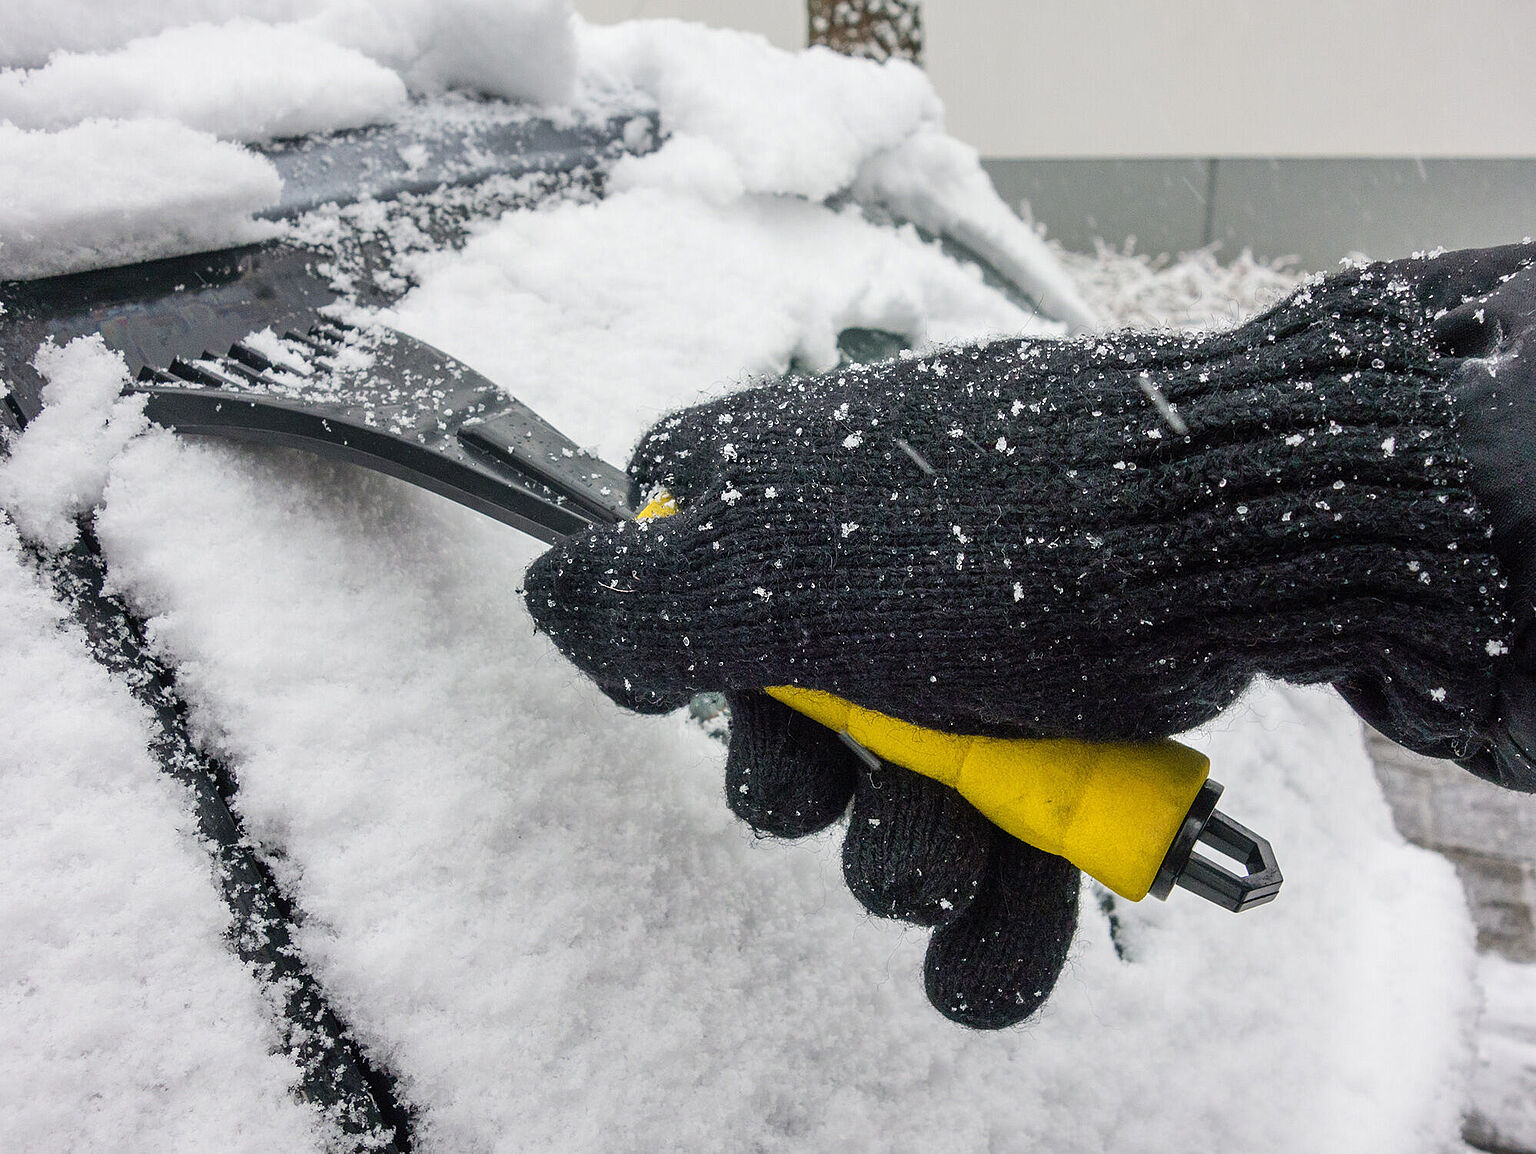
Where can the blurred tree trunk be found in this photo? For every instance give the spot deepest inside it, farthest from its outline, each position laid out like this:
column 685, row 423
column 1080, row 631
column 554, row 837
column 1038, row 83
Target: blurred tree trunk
column 874, row 29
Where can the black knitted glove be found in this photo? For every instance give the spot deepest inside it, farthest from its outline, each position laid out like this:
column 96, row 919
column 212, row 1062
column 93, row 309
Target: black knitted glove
column 1496, row 385
column 1106, row 538
column 1004, row 913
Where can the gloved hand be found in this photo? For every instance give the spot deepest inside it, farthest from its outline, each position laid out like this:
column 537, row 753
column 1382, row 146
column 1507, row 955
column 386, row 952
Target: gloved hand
column 1495, row 383
column 1106, row 539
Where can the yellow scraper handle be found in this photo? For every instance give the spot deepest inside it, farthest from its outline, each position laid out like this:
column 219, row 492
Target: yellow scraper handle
column 1113, row 809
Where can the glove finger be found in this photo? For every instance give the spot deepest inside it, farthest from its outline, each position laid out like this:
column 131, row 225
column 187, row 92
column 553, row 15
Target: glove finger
column 915, row 849
column 785, row 775
column 742, row 435
column 686, row 452
column 623, row 605
column 997, row 963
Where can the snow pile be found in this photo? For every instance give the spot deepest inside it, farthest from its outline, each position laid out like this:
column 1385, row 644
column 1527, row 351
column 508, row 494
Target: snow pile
column 1194, row 291
column 511, row 48
column 813, row 124
column 127, row 161
column 125, row 1022
column 59, row 469
column 517, row 49
column 938, row 183
column 827, row 115
column 603, row 316
column 109, row 192
column 243, row 81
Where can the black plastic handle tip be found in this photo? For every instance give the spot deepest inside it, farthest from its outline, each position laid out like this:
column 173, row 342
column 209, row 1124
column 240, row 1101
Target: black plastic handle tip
column 1260, row 879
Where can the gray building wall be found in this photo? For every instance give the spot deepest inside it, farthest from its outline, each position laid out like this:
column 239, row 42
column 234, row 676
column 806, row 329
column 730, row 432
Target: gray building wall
column 1316, row 210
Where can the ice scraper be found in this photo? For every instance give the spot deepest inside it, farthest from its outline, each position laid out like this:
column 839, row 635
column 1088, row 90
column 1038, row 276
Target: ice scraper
column 240, row 344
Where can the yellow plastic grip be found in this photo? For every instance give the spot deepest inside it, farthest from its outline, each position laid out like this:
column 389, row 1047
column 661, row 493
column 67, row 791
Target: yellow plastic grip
column 663, row 504
column 1110, row 808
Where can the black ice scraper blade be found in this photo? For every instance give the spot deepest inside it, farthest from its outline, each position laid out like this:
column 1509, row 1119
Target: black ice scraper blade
column 237, row 344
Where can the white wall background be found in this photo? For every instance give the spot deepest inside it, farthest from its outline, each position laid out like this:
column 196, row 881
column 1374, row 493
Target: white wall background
column 1126, row 78
column 782, row 21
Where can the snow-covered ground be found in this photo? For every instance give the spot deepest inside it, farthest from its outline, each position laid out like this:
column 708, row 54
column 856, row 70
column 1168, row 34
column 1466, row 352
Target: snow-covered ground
column 531, row 907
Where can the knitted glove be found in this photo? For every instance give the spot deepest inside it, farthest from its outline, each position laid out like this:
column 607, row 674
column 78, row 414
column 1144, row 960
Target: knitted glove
column 1106, row 538
column 1496, row 385
column 1004, row 913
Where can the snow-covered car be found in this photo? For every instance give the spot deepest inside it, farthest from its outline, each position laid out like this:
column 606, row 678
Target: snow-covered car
column 458, row 900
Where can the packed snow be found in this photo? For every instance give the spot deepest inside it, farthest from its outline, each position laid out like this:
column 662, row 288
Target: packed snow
column 108, row 192
column 534, row 908
column 603, row 316
column 1504, row 1077
column 125, row 1022
column 134, row 109
column 243, row 80
column 59, row 470
column 511, row 48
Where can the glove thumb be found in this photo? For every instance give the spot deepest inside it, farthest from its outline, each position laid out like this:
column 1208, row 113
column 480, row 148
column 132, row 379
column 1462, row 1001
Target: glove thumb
column 625, row 605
